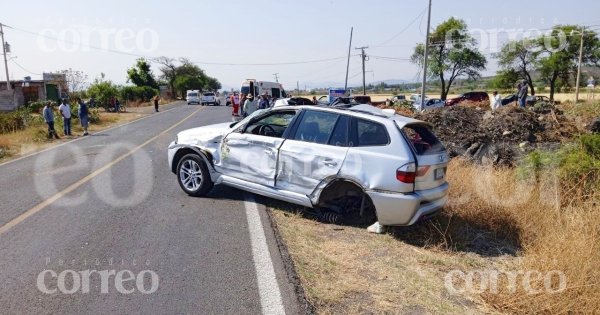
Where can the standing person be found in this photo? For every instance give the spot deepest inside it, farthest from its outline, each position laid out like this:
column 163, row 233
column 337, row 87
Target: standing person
column 314, row 100
column 243, row 99
column 49, row 120
column 156, row 99
column 117, row 106
column 496, row 101
column 250, row 106
column 84, row 116
column 264, row 101
column 235, row 104
column 522, row 95
column 65, row 112
column 112, row 103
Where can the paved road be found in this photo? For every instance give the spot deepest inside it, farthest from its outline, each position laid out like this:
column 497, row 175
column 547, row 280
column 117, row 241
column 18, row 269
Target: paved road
column 109, row 203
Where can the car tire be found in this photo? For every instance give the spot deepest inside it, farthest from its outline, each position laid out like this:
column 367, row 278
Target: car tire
column 193, row 175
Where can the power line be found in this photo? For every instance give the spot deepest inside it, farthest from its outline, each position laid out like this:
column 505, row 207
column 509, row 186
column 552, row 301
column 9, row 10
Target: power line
column 402, row 31
column 151, row 58
column 24, row 69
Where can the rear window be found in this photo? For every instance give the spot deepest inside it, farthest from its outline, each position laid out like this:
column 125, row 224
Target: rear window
column 209, row 94
column 370, row 133
column 422, row 139
column 192, row 94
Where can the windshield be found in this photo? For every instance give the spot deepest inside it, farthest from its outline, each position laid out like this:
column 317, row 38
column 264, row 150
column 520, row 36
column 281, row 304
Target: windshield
column 250, row 117
column 209, row 94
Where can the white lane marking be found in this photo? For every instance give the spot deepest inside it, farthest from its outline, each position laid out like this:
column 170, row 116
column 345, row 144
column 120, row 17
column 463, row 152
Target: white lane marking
column 268, row 288
column 80, row 138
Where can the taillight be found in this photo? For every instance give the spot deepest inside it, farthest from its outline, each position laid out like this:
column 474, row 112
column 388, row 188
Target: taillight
column 407, row 173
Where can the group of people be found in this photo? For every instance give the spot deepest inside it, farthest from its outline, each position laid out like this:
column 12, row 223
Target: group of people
column 521, row 96
column 248, row 104
column 65, row 112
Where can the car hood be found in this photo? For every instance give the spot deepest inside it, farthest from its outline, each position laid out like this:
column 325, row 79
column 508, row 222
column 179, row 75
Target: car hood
column 204, row 136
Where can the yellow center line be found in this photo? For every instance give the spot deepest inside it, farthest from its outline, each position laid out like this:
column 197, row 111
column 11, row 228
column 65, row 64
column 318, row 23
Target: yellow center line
column 23, row 216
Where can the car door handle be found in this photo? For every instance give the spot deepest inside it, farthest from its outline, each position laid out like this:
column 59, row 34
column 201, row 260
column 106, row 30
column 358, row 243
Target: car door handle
column 330, row 163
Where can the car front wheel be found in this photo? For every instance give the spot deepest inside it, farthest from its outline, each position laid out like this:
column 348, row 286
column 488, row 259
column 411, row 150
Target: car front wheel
column 193, row 175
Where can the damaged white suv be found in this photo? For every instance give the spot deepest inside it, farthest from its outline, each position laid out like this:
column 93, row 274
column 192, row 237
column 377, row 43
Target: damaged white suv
column 359, row 163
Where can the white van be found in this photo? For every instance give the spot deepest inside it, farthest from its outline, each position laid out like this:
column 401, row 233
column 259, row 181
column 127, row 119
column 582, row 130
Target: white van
column 257, row 88
column 193, row 97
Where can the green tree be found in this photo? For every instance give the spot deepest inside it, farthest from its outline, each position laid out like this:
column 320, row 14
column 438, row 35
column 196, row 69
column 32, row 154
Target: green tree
column 212, row 84
column 505, row 79
column 559, row 54
column 518, row 57
column 452, row 54
column 102, row 91
column 141, row 74
column 187, row 82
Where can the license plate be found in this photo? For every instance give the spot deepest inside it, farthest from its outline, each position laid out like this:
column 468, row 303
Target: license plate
column 439, row 173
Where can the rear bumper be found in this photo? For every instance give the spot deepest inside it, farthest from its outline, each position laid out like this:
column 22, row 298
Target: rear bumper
column 407, row 209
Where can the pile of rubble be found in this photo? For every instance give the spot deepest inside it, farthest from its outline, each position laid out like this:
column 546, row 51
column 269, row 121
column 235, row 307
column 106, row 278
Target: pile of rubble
column 499, row 137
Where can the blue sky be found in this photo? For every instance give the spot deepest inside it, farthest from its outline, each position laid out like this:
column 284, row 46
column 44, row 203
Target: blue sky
column 260, row 31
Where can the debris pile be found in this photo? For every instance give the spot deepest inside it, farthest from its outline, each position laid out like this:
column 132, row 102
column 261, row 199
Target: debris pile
column 499, row 137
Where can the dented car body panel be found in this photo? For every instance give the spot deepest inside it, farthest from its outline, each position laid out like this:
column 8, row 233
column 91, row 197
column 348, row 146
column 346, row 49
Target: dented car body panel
column 295, row 154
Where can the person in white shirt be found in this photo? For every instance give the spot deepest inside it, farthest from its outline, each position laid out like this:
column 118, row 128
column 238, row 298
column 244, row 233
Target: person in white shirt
column 65, row 111
column 496, row 101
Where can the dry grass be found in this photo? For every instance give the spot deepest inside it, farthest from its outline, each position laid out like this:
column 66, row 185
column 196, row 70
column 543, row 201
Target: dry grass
column 552, row 237
column 349, row 271
column 493, row 222
column 34, row 138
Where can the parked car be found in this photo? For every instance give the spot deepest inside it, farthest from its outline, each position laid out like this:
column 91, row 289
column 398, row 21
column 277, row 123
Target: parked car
column 509, row 99
column 531, row 100
column 362, row 99
column 399, row 98
column 469, row 96
column 321, row 158
column 209, row 98
column 430, row 103
column 192, row 97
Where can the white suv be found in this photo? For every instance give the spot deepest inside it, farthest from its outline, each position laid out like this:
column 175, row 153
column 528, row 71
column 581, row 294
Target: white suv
column 359, row 163
column 209, row 98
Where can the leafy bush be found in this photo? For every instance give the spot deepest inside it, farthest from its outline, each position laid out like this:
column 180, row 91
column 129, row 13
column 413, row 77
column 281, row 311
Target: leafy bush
column 17, row 120
column 134, row 93
column 103, row 91
column 577, row 166
column 94, row 116
column 35, row 107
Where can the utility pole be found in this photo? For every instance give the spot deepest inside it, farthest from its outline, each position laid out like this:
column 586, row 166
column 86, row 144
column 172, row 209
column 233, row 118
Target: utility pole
column 364, row 58
column 579, row 66
column 298, row 87
column 348, row 63
column 4, row 53
column 424, row 83
column 276, row 75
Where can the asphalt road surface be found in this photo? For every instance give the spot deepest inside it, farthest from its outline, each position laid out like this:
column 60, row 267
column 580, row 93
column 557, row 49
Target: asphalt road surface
column 100, row 225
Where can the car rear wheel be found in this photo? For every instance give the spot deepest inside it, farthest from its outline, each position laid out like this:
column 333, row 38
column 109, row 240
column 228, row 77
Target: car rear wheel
column 193, row 175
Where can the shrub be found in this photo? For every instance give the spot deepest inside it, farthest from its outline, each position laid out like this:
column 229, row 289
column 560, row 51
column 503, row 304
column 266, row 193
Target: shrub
column 17, row 120
column 35, row 107
column 135, row 93
column 103, row 91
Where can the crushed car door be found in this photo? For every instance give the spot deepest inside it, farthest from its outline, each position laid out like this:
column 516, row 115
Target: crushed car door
column 251, row 153
column 315, row 152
